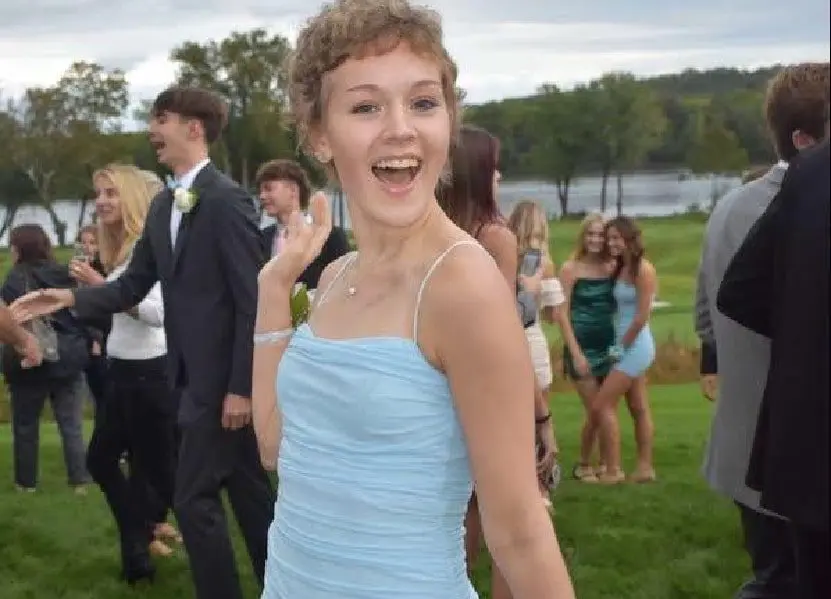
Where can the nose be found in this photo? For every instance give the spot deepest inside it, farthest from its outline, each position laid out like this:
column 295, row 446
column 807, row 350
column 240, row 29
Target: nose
column 398, row 124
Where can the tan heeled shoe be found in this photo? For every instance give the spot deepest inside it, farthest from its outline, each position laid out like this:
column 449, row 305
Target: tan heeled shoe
column 643, row 476
column 585, row 474
column 611, row 478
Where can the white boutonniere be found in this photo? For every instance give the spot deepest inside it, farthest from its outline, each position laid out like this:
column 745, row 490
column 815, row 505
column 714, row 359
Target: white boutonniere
column 185, row 199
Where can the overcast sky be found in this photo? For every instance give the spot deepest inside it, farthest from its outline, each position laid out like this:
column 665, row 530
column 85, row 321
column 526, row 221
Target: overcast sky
column 503, row 47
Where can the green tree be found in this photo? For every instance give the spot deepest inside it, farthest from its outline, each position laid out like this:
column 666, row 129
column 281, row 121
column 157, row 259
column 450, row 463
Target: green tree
column 62, row 133
column 563, row 137
column 630, row 122
column 715, row 152
column 96, row 100
column 247, row 69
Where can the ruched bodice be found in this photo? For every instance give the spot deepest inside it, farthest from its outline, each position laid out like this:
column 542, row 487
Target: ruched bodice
column 626, row 298
column 592, row 308
column 373, row 472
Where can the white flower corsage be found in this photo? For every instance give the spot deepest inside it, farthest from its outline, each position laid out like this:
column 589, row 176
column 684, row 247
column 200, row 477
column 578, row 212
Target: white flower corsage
column 185, row 199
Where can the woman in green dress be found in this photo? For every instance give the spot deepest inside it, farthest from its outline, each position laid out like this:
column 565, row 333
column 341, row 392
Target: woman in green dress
column 589, row 330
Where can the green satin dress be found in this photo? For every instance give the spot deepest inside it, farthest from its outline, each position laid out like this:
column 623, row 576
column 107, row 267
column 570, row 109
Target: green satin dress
column 592, row 318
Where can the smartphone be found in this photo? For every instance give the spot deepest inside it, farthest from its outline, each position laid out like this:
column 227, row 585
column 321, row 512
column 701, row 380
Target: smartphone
column 79, row 252
column 531, row 261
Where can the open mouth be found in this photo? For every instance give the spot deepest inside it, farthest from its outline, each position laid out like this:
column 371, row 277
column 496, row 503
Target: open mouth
column 157, row 144
column 397, row 171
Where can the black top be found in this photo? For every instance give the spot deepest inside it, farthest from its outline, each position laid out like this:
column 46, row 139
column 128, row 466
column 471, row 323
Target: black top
column 336, row 245
column 777, row 286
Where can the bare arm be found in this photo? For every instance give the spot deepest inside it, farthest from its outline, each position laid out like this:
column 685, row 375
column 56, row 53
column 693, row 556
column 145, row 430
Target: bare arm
column 567, row 280
column 11, row 333
column 645, row 286
column 552, row 291
column 274, row 314
column 501, row 244
column 492, row 380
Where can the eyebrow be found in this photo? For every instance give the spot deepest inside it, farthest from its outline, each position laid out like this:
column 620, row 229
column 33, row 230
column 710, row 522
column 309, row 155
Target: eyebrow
column 371, row 87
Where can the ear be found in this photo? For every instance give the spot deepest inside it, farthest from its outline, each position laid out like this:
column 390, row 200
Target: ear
column 195, row 130
column 320, row 146
column 802, row 140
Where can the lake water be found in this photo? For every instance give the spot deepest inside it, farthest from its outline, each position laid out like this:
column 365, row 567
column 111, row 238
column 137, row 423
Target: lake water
column 644, row 194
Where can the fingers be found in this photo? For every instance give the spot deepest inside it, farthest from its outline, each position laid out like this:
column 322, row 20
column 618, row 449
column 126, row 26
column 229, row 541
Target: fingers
column 319, row 209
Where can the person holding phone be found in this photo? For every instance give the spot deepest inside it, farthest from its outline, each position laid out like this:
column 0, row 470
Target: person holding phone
column 530, row 225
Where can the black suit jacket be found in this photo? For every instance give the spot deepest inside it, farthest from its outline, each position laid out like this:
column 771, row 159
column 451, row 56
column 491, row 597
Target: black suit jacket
column 209, row 286
column 777, row 285
column 336, row 246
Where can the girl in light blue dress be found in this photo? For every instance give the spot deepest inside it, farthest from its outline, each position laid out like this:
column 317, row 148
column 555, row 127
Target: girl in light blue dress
column 633, row 352
column 411, row 383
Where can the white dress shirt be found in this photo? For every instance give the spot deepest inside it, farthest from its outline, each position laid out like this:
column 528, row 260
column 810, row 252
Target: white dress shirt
column 185, row 182
column 139, row 338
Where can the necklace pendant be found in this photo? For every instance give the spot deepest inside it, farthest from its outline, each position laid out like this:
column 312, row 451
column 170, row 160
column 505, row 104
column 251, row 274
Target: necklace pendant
column 351, row 291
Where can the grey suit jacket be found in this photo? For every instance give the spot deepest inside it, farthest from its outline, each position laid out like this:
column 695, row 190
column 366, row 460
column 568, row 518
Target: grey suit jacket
column 743, row 356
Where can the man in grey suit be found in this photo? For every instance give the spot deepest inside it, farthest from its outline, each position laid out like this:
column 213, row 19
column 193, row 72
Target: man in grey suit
column 738, row 356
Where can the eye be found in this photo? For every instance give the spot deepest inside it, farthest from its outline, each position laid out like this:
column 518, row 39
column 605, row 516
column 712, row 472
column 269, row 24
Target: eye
column 364, row 108
column 425, row 104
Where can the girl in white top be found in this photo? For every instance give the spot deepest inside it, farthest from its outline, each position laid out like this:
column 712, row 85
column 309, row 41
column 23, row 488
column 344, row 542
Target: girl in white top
column 530, row 225
column 139, row 411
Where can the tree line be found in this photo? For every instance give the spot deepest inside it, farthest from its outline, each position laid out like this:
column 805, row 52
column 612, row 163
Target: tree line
column 54, row 137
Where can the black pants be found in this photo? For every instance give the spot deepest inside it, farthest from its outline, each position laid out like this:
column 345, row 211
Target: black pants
column 211, row 458
column 27, row 399
column 138, row 414
column 768, row 542
column 96, row 373
column 813, row 558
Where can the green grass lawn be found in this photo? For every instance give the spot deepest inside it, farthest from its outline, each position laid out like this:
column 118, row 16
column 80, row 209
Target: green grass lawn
column 671, row 540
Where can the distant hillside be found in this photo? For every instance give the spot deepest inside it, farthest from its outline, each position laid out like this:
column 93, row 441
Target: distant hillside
column 692, row 82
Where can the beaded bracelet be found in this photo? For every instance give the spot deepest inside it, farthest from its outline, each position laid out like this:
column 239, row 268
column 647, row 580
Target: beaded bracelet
column 272, row 336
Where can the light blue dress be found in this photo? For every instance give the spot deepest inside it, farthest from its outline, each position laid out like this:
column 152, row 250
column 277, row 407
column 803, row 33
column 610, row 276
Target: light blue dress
column 640, row 355
column 374, row 474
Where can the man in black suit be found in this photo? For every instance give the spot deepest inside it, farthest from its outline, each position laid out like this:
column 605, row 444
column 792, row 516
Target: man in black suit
column 284, row 188
column 201, row 240
column 777, row 286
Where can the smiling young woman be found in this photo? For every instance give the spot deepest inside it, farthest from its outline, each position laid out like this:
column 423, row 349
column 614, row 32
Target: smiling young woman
column 394, row 399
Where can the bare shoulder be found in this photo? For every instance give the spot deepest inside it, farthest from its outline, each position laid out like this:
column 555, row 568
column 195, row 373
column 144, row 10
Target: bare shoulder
column 497, row 239
column 464, row 291
column 647, row 269
column 568, row 270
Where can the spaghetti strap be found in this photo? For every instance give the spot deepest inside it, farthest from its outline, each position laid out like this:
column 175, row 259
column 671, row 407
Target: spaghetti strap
column 427, row 275
column 349, row 259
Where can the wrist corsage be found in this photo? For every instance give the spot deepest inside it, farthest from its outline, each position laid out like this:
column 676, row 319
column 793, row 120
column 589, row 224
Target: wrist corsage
column 616, row 352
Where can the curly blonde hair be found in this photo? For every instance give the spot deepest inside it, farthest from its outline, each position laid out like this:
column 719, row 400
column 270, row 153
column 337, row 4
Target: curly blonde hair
column 347, row 29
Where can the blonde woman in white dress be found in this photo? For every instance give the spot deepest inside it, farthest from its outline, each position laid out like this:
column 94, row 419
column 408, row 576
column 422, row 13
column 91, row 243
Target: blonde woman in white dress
column 529, row 224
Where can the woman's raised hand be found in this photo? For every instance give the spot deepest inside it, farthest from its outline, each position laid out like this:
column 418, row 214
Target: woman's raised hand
column 305, row 237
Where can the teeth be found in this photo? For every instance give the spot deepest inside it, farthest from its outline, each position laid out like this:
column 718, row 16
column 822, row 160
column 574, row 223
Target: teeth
column 397, row 163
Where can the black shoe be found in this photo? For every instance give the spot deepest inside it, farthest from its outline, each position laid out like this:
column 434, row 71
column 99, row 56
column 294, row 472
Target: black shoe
column 139, row 570
column 136, row 564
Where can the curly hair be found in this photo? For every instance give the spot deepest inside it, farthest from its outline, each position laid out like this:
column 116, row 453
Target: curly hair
column 347, row 29
column 797, row 100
